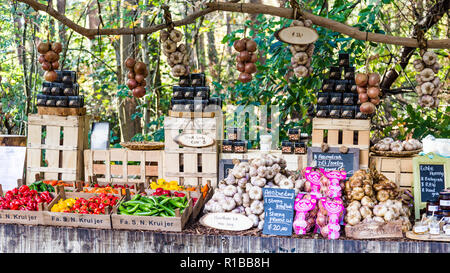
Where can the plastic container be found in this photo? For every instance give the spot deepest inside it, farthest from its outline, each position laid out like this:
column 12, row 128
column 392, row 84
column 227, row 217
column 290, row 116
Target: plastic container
column 294, row 134
column 328, row 85
column 335, row 72
column 41, row 100
column 201, row 92
column 75, row 101
column 347, row 111
column 336, row 98
column 227, row 146
column 341, row 86
column 444, row 200
column 177, row 105
column 299, row 148
column 188, row 93
column 349, row 73
column 234, row 134
column 62, row 101
column 287, row 147
column 335, row 111
column 240, row 146
column 322, row 111
column 323, row 98
column 178, row 92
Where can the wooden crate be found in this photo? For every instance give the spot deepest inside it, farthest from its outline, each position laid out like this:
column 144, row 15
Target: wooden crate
column 189, row 165
column 352, row 133
column 397, row 169
column 61, row 111
column 104, row 165
column 294, row 161
column 157, row 223
column 100, row 221
column 62, row 148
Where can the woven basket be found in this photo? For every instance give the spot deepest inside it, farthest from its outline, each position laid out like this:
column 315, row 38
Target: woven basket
column 143, row 145
column 394, row 154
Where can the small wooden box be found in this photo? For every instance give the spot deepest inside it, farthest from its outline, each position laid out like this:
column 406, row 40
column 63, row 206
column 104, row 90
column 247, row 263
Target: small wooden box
column 58, row 156
column 150, row 222
column 352, row 133
column 100, row 221
column 123, row 165
column 397, row 169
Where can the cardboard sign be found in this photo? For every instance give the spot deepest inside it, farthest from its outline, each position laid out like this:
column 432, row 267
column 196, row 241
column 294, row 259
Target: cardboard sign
column 278, row 211
column 12, row 162
column 297, row 35
column 334, row 160
column 226, row 221
column 431, row 175
column 194, row 140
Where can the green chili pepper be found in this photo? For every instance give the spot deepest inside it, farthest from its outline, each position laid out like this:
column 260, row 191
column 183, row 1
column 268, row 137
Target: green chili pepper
column 169, row 211
column 124, row 213
column 132, row 209
column 177, row 204
column 135, row 197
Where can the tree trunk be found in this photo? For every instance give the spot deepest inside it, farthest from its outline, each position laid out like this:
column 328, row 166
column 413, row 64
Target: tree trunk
column 127, row 106
column 61, row 7
column 212, row 54
column 200, row 47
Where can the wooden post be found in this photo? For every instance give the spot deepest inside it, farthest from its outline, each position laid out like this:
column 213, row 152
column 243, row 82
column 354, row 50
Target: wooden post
column 1, row 190
column 140, row 187
column 107, row 210
column 79, row 186
column 37, row 177
column 127, row 194
column 90, row 180
column 177, row 212
column 60, row 190
column 41, row 207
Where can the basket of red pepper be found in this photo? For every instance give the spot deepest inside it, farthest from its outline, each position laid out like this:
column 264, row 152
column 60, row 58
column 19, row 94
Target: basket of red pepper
column 81, row 210
column 23, row 205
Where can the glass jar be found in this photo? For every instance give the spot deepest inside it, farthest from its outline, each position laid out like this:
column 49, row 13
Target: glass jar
column 347, row 112
column 349, row 73
column 344, row 59
column 227, row 146
column 61, row 101
column 188, row 93
column 300, row 148
column 335, row 72
column 335, row 111
column 348, row 99
column 177, row 92
column 323, row 98
column 328, row 85
column 341, row 86
column 287, row 147
column 294, row 134
column 322, row 111
column 201, row 92
column 446, row 216
column 234, row 134
column 240, row 146
column 444, row 200
column 432, row 206
column 41, row 100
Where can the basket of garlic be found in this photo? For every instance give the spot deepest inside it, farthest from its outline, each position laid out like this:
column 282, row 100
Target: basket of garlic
column 376, row 207
column 396, row 148
column 241, row 191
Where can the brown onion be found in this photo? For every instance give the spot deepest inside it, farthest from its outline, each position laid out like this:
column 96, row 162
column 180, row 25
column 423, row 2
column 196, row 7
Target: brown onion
column 244, row 77
column 139, row 78
column 55, row 65
column 244, row 56
column 363, row 97
column 251, row 46
column 43, row 47
column 46, row 66
column 139, row 68
column 240, row 66
column 361, row 79
column 131, row 75
column 367, row 108
column 130, row 62
column 139, row 92
column 239, row 45
column 50, row 76
column 250, row 68
column 41, row 58
column 373, row 92
column 374, row 79
column 253, row 58
column 375, row 101
column 360, row 89
column 57, row 47
column 131, row 83
column 51, row 56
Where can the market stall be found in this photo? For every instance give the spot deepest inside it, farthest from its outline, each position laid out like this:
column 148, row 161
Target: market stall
column 337, row 189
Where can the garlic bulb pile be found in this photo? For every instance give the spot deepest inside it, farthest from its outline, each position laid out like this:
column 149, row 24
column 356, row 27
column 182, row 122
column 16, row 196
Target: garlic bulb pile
column 388, row 144
column 302, row 54
column 241, row 191
column 367, row 86
column 177, row 56
column 246, row 58
column 49, row 59
column 373, row 197
column 428, row 84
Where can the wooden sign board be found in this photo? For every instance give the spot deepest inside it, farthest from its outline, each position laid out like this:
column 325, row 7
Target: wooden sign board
column 226, row 221
column 431, row 174
column 374, row 230
column 297, row 35
column 278, row 211
column 334, row 159
column 194, row 140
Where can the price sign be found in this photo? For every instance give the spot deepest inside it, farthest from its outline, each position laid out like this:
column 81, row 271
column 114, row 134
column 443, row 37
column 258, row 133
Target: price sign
column 334, row 160
column 278, row 211
column 194, row 140
column 297, row 35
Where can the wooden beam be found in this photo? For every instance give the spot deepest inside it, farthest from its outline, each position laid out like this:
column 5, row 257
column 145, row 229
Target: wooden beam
column 242, row 8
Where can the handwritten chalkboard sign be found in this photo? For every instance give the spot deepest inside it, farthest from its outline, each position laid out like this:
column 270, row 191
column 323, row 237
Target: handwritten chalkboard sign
column 278, row 211
column 431, row 175
column 333, row 159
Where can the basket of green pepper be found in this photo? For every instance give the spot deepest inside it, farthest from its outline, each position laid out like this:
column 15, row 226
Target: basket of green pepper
column 40, row 186
column 163, row 212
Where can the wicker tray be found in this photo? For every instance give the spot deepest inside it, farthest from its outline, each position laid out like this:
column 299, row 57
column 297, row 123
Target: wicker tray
column 143, row 145
column 394, row 154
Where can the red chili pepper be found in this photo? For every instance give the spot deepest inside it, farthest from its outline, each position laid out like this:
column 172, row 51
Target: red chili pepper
column 24, row 188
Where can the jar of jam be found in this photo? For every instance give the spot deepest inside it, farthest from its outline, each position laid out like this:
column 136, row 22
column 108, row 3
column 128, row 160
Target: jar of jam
column 201, row 92
column 328, row 85
column 287, row 147
column 300, row 148
column 335, row 72
column 344, row 59
column 341, row 86
column 234, row 133
column 349, row 73
column 446, row 216
column 294, row 134
column 178, row 92
column 227, row 146
column 336, row 98
column 444, row 200
column 322, row 111
column 432, row 206
column 240, row 146
column 184, row 81
column 188, row 93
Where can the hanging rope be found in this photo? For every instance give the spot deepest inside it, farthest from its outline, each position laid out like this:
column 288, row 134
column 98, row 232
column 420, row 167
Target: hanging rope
column 168, row 18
